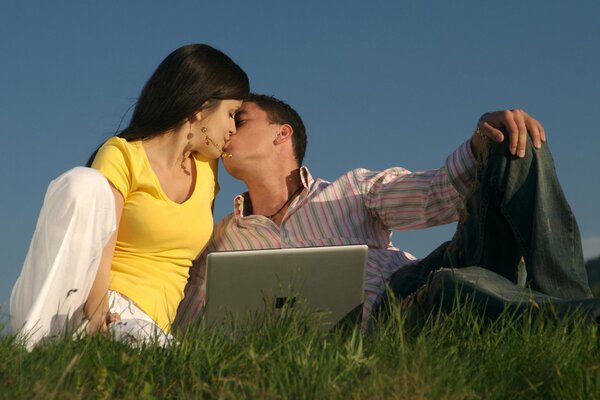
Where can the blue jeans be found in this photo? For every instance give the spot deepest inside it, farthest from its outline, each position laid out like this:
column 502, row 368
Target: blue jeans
column 516, row 209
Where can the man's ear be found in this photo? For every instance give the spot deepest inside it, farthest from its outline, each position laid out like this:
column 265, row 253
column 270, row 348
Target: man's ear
column 285, row 133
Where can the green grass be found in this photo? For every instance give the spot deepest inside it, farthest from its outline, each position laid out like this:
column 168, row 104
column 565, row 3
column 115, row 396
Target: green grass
column 449, row 357
column 596, row 290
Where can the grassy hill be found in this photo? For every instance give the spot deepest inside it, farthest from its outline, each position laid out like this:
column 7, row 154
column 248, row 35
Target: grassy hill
column 452, row 357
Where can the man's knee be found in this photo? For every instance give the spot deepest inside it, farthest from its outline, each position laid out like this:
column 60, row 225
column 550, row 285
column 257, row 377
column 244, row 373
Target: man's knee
column 502, row 150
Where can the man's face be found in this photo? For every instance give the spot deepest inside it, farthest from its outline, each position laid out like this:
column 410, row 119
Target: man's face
column 252, row 142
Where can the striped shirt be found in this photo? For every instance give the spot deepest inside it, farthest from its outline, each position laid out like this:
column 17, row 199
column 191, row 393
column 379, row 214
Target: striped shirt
column 360, row 207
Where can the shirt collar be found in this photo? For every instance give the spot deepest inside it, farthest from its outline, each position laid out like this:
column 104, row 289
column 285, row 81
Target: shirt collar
column 306, row 177
column 241, row 202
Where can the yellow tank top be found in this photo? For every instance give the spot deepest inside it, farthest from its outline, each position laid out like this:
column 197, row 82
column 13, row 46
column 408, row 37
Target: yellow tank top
column 158, row 239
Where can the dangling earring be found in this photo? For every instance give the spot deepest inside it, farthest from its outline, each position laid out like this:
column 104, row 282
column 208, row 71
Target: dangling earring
column 186, row 151
column 206, row 139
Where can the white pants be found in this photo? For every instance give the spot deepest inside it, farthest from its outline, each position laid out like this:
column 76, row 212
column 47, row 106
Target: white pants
column 75, row 223
column 135, row 327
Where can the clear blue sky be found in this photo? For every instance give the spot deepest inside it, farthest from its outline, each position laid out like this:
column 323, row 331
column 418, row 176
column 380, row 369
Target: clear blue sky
column 378, row 85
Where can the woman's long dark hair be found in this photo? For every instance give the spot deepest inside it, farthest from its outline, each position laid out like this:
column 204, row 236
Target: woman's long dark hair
column 188, row 78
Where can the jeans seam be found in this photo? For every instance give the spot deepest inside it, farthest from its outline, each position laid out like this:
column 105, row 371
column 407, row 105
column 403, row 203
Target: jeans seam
column 572, row 239
column 481, row 226
column 521, row 244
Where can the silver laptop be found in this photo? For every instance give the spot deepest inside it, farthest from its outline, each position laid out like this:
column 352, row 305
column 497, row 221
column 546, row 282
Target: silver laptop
column 328, row 281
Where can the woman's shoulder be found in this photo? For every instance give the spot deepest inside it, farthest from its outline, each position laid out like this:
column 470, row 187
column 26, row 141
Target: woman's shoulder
column 121, row 143
column 120, row 161
column 117, row 150
column 116, row 145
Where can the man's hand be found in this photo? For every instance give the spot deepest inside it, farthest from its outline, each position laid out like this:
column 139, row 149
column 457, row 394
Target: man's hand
column 517, row 123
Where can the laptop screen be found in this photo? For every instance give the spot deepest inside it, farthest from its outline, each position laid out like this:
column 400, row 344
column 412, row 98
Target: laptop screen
column 328, row 280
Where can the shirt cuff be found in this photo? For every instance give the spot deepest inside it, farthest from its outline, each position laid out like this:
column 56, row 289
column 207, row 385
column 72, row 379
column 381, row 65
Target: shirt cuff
column 462, row 168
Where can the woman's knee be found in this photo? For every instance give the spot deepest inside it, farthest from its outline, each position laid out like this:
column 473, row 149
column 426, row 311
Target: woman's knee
column 81, row 184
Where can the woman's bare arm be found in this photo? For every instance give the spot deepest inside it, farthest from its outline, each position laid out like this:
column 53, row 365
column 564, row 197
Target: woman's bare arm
column 96, row 305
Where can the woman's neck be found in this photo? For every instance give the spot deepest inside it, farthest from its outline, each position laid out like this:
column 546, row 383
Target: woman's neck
column 167, row 151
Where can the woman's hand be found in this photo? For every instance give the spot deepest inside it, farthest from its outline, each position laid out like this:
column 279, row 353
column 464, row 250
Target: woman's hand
column 112, row 317
column 99, row 322
column 96, row 314
column 518, row 124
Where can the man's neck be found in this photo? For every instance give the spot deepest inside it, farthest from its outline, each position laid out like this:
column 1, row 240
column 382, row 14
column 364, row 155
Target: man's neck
column 268, row 195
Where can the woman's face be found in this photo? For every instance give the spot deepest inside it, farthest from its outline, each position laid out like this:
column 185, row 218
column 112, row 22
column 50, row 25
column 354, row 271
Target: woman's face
column 215, row 126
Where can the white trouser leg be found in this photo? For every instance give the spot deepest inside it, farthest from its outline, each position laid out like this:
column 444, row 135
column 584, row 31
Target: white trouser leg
column 135, row 327
column 75, row 223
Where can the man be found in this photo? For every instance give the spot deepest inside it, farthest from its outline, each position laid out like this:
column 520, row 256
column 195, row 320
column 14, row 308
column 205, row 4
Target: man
column 516, row 202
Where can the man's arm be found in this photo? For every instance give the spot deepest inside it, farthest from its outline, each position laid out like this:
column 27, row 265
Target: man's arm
column 407, row 200
column 411, row 200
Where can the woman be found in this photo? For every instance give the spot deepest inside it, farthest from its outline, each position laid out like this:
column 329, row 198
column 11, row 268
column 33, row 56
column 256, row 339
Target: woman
column 115, row 241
